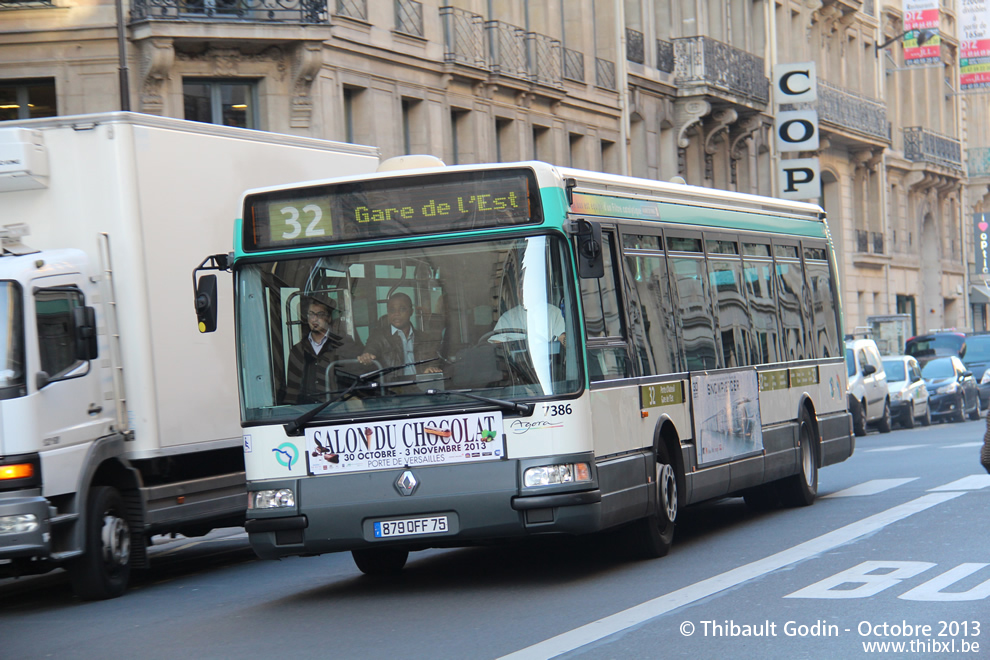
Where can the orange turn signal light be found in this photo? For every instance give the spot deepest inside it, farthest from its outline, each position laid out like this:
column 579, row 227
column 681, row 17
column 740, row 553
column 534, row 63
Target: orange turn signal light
column 16, row 471
column 582, row 472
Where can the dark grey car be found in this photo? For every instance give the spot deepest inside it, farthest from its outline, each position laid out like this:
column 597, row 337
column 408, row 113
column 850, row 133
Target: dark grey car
column 952, row 390
column 977, row 359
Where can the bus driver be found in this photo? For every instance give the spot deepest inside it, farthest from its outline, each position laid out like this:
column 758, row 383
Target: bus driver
column 309, row 359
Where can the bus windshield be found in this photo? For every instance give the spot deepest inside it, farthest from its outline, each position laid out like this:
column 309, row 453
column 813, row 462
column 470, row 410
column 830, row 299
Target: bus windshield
column 494, row 319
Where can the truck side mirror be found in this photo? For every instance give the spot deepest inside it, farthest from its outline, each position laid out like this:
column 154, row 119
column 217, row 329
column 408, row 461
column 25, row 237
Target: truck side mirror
column 85, row 321
column 206, row 303
column 591, row 263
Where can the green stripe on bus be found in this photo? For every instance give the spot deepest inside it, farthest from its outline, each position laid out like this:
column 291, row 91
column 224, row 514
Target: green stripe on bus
column 661, row 394
column 773, row 380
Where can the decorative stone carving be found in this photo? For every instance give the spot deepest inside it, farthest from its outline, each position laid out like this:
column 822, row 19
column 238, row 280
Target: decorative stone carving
column 157, row 57
column 307, row 61
column 686, row 114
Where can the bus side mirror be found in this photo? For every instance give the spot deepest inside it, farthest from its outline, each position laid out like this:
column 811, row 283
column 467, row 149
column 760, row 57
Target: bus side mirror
column 589, row 250
column 206, row 303
column 85, row 322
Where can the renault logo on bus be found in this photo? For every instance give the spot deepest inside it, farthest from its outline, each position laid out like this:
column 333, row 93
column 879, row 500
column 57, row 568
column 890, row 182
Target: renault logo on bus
column 406, row 483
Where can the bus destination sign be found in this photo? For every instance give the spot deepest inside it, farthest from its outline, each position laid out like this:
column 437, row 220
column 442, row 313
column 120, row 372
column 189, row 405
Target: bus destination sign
column 394, row 207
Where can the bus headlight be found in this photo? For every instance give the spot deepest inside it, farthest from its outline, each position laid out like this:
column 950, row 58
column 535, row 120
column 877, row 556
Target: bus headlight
column 272, row 499
column 19, row 524
column 550, row 475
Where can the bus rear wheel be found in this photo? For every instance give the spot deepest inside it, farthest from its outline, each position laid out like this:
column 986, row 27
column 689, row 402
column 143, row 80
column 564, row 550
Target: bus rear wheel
column 801, row 489
column 380, row 561
column 656, row 531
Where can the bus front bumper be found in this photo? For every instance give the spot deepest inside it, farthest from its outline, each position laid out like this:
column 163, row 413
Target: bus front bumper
column 339, row 512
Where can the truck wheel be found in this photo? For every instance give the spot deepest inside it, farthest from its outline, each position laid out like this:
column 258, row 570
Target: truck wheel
column 801, row 489
column 104, row 568
column 655, row 534
column 380, row 561
column 884, row 423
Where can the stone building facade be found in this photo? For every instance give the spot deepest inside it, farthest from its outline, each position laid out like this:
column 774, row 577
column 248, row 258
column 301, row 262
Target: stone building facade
column 652, row 88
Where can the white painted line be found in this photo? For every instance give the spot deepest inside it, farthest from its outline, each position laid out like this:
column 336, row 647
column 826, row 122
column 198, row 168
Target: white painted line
column 973, row 482
column 894, row 448
column 965, row 445
column 870, row 487
column 610, row 625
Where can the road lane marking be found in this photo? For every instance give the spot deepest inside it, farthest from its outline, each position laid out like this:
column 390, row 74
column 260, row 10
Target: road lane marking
column 965, row 445
column 894, row 448
column 972, row 482
column 634, row 616
column 869, row 487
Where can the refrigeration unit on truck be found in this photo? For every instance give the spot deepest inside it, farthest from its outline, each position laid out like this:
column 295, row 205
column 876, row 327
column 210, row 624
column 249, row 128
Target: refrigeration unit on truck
column 118, row 421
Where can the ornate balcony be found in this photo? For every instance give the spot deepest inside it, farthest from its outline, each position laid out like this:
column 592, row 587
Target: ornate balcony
column 464, row 36
column 852, row 112
column 704, row 65
column 508, row 48
column 545, row 58
column 249, row 11
column 924, row 146
column 979, row 161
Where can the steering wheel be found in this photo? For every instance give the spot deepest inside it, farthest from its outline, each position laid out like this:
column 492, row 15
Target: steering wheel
column 519, row 334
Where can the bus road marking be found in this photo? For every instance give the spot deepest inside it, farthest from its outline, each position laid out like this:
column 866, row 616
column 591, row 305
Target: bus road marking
column 894, row 448
column 870, row 487
column 651, row 609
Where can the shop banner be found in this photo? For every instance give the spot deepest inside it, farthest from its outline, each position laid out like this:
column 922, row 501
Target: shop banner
column 981, row 226
column 974, row 55
column 921, row 37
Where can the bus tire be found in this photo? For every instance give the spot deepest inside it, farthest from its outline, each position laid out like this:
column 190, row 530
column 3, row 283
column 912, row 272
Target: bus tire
column 801, row 489
column 656, row 531
column 380, row 561
column 104, row 568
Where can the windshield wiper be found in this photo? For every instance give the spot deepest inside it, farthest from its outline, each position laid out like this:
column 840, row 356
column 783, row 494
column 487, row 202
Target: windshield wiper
column 297, row 425
column 511, row 406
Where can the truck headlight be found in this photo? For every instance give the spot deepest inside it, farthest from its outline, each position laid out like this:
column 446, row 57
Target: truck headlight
column 947, row 389
column 272, row 499
column 550, row 475
column 19, row 524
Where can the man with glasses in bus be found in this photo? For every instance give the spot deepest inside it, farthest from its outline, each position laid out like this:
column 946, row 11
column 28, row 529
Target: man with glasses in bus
column 306, row 380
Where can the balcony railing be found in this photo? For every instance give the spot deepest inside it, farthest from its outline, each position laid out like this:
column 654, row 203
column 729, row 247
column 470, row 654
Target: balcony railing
column 501, row 48
column 665, row 56
column 464, row 36
column 352, row 9
column 508, row 48
column 924, row 146
column 25, row 4
column 255, row 11
column 605, row 74
column 705, row 61
column 545, row 58
column 409, row 17
column 573, row 65
column 979, row 161
column 851, row 111
column 635, row 51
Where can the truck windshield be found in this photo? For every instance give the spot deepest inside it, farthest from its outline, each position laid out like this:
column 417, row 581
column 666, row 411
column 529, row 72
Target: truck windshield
column 11, row 342
column 495, row 319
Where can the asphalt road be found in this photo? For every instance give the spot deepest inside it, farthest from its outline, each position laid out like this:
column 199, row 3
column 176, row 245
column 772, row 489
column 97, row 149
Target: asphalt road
column 896, row 550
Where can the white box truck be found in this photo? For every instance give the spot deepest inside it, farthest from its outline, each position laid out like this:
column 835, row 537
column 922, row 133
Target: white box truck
column 118, row 420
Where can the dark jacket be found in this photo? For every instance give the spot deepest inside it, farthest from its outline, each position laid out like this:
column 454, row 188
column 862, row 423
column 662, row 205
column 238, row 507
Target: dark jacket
column 307, row 372
column 387, row 348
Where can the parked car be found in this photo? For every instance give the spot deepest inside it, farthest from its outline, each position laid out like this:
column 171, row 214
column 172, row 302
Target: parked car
column 941, row 343
column 952, row 390
column 977, row 359
column 908, row 393
column 866, row 390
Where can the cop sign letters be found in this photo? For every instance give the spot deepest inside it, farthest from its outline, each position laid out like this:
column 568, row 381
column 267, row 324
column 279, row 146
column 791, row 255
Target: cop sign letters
column 797, row 130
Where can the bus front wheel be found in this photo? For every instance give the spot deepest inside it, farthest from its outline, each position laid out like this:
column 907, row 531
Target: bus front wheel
column 380, row 561
column 656, row 531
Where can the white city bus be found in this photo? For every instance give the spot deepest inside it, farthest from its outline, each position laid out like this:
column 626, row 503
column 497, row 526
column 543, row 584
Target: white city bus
column 592, row 352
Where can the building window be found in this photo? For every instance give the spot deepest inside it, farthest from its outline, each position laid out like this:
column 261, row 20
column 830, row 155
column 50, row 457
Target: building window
column 26, row 99
column 505, row 143
column 221, row 102
column 542, row 148
column 459, row 138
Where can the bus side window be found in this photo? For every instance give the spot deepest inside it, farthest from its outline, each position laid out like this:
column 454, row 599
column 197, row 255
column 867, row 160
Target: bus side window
column 688, row 275
column 651, row 314
column 608, row 357
column 791, row 297
column 826, row 326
